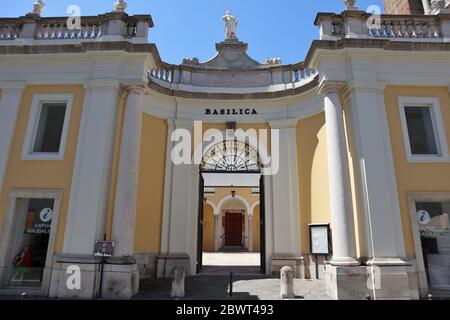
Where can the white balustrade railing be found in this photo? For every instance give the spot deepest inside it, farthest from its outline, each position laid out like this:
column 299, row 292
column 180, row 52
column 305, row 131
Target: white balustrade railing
column 9, row 31
column 299, row 72
column 291, row 73
column 351, row 24
column 58, row 31
column 405, row 28
column 165, row 73
column 119, row 26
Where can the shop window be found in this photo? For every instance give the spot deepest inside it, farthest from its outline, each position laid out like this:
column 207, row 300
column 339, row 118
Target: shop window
column 30, row 245
column 434, row 230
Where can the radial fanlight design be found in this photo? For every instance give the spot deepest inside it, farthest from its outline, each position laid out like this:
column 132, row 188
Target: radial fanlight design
column 231, row 156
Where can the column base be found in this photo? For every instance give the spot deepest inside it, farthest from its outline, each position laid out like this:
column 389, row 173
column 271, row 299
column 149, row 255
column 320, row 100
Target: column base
column 394, row 282
column 166, row 263
column 346, row 283
column 280, row 260
column 120, row 280
column 345, row 262
column 89, row 277
column 392, row 279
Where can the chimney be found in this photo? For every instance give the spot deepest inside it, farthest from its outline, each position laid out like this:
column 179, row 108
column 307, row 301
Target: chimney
column 403, row 7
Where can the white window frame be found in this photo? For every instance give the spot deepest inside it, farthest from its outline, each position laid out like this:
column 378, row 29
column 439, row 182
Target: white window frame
column 438, row 127
column 33, row 122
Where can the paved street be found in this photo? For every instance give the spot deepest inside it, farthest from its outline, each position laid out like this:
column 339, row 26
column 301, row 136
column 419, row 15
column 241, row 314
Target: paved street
column 211, row 287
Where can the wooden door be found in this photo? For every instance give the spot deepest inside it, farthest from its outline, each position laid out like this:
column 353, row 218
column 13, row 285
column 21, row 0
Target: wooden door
column 233, row 229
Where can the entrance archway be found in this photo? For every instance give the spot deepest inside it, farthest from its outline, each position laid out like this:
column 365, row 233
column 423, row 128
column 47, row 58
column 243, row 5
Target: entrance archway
column 232, row 164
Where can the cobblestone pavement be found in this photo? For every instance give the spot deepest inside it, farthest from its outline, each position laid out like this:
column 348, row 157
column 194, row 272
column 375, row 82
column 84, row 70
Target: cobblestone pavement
column 213, row 287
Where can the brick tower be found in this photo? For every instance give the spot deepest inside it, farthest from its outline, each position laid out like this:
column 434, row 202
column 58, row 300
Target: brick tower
column 403, row 7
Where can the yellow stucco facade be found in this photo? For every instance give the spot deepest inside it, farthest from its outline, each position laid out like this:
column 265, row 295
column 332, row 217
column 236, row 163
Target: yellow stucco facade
column 415, row 177
column 44, row 174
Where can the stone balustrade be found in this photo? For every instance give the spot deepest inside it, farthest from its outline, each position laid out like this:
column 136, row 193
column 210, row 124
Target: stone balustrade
column 299, row 72
column 164, row 73
column 9, row 30
column 174, row 73
column 53, row 29
column 359, row 24
column 114, row 26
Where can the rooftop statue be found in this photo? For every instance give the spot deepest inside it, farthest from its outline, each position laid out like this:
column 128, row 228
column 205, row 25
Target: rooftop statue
column 120, row 6
column 38, row 6
column 350, row 5
column 231, row 23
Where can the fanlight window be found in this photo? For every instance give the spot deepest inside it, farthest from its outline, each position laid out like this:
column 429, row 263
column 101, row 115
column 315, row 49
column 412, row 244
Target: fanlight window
column 231, row 156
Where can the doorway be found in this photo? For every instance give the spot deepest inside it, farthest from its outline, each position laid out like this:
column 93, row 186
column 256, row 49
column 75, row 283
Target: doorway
column 431, row 230
column 29, row 236
column 234, row 229
column 231, row 215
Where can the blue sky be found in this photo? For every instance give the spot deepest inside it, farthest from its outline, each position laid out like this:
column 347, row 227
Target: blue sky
column 188, row 28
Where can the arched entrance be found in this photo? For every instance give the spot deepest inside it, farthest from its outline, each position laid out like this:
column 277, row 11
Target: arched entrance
column 233, row 166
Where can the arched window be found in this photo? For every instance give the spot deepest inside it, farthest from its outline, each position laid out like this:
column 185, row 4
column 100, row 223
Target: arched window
column 231, row 156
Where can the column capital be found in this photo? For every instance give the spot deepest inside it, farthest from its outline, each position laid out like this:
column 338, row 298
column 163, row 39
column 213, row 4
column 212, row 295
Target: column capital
column 136, row 87
column 102, row 84
column 283, row 124
column 331, row 86
column 184, row 124
column 12, row 86
column 362, row 86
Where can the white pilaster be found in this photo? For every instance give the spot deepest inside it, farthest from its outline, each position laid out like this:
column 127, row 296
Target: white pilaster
column 250, row 233
column 286, row 220
column 342, row 222
column 217, row 232
column 376, row 164
column 92, row 170
column 124, row 217
column 11, row 96
column 165, row 236
column 180, row 213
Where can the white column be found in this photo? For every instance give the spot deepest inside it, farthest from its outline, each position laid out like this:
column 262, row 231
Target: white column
column 250, row 233
column 92, row 170
column 217, row 232
column 377, row 172
column 11, row 95
column 342, row 222
column 286, row 211
column 126, row 191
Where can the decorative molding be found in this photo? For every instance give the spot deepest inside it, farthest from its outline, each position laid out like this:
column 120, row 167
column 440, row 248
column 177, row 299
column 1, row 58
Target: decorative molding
column 283, row 124
column 331, row 86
